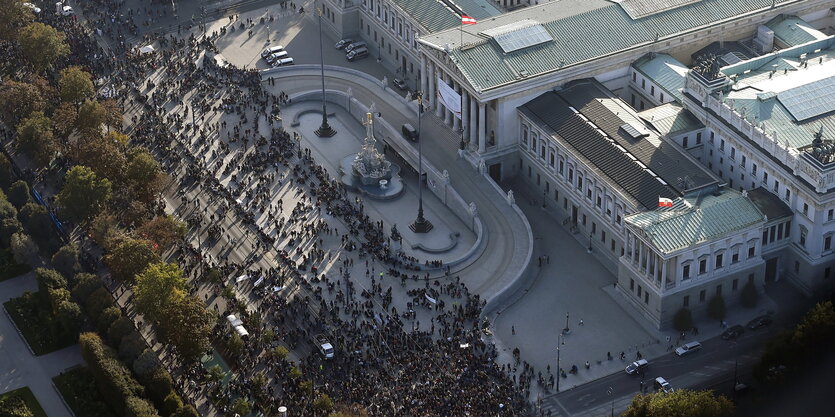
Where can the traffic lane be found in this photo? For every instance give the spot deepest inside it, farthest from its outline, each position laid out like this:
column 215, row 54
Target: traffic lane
column 671, row 367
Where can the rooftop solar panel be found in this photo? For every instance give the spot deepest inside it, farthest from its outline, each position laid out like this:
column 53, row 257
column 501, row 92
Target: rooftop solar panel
column 809, row 100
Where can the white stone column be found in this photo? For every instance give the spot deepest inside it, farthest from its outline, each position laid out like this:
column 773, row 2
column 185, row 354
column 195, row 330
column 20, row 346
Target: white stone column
column 465, row 112
column 447, row 112
column 482, row 129
column 473, row 121
column 423, row 83
column 664, row 275
column 431, row 85
column 439, row 108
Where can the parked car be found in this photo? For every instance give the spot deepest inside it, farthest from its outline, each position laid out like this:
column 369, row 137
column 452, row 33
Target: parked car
column 343, row 43
column 758, row 322
column 637, row 366
column 688, row 348
column 282, row 62
column 325, row 346
column 409, row 132
column 355, row 45
column 357, row 54
column 662, row 385
column 271, row 50
column 400, row 84
column 733, row 332
column 276, row 56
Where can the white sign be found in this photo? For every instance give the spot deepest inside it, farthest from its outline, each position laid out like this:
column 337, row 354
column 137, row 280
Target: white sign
column 450, row 99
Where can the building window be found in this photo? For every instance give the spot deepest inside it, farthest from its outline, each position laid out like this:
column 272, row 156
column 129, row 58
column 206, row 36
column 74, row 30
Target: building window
column 743, row 162
column 599, row 200
column 796, row 267
column 631, row 284
column 754, row 169
column 593, row 227
column 733, row 153
column 826, row 272
column 719, row 260
column 686, row 300
column 722, row 145
column 640, row 291
column 702, row 296
column 613, row 245
column 525, row 135
column 646, row 298
column 751, row 251
column 652, row 90
column 702, row 266
column 571, row 174
column 805, row 209
column 684, row 141
column 562, row 166
column 776, row 186
column 580, row 182
column 699, row 138
column 779, row 231
column 603, row 237
column 643, row 83
column 735, row 284
column 712, row 135
column 827, row 243
column 719, row 290
column 788, row 228
column 788, row 194
column 830, row 214
column 551, row 159
column 661, row 95
column 735, row 257
column 634, row 76
column 685, row 272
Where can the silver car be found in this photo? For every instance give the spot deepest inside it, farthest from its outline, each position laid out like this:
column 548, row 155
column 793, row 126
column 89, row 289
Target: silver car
column 688, row 348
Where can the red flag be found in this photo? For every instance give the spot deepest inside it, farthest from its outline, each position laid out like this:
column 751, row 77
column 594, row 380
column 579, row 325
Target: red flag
column 467, row 20
column 664, row 202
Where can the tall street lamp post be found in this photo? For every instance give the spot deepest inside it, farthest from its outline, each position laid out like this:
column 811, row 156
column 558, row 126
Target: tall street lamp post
column 421, row 225
column 560, row 341
column 325, row 130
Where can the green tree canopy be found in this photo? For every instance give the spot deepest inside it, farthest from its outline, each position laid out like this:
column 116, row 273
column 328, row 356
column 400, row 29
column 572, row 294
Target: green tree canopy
column 19, row 193
column 163, row 231
column 323, row 403
column 42, row 45
column 6, row 171
column 36, row 220
column 69, row 317
column 158, row 289
column 85, row 284
column 188, row 327
column 24, row 249
column 84, row 194
column 49, row 279
column 65, row 260
column 14, row 16
column 240, row 407
column 75, row 85
column 680, row 403
column 129, row 257
column 144, row 175
column 9, row 227
column 92, row 115
column 35, row 138
column 18, row 100
column 104, row 155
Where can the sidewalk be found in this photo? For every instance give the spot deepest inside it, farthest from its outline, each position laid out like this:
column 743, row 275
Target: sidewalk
column 19, row 368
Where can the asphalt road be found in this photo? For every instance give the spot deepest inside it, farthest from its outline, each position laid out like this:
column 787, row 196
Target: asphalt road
column 710, row 368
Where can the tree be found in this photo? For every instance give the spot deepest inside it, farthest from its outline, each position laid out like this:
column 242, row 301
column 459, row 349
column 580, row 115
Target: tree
column 69, row 317
column 131, row 347
column 683, row 320
column 749, row 296
column 14, row 16
column 85, row 284
column 35, row 138
column 65, row 260
column 171, row 404
column 75, row 85
column 188, row 327
column 93, row 114
column 163, row 231
column 104, row 229
column 18, row 100
column 680, row 403
column 120, row 328
column 24, row 249
column 130, row 257
column 36, row 221
column 144, row 175
column 7, row 210
column 158, row 290
column 716, row 308
column 104, row 156
column 240, row 407
column 54, row 298
column 84, row 194
column 235, row 345
column 215, row 373
column 49, row 279
column 42, row 45
column 323, row 403
column 113, row 378
column 280, row 353
column 186, row 411
column 353, row 410
column 19, row 194
column 8, row 227
column 63, row 121
column 106, row 319
column 146, row 364
column 138, row 407
column 6, row 171
column 99, row 300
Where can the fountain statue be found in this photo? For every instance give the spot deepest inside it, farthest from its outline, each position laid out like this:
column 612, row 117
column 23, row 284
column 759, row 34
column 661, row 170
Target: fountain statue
column 368, row 171
column 370, row 165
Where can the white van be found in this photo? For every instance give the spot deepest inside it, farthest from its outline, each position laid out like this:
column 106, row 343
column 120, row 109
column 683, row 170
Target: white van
column 282, row 62
column 276, row 56
column 271, row 50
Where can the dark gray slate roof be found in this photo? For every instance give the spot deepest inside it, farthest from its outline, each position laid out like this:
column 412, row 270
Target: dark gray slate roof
column 646, row 168
column 768, row 203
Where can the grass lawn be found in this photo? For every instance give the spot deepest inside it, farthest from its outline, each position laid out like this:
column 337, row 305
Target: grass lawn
column 78, row 388
column 8, row 267
column 20, row 403
column 36, row 327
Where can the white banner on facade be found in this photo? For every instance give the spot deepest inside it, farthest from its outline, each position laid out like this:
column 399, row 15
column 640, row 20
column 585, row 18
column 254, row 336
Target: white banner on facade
column 449, row 98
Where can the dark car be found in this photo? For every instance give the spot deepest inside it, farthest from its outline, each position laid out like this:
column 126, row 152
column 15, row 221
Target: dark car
column 400, row 84
column 733, row 332
column 759, row 322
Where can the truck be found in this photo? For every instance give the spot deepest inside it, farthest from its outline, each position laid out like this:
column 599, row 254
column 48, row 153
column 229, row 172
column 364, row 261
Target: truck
column 325, row 347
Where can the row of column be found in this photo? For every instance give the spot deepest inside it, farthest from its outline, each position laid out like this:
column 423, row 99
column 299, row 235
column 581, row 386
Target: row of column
column 647, row 261
column 473, row 112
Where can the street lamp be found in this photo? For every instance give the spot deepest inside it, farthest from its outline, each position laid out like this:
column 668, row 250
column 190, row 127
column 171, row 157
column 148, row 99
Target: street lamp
column 560, row 341
column 611, row 393
column 421, row 225
column 566, row 330
column 325, row 130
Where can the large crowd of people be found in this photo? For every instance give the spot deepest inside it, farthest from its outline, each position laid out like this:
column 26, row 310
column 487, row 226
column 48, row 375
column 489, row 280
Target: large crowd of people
column 406, row 343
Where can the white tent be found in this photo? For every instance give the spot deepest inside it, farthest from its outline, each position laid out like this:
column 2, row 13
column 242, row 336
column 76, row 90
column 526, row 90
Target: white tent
column 147, row 49
column 238, row 325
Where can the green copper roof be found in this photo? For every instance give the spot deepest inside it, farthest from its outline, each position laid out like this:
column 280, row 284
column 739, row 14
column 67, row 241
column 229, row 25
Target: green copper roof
column 670, row 119
column 665, row 71
column 792, row 31
column 582, row 30
column 697, row 219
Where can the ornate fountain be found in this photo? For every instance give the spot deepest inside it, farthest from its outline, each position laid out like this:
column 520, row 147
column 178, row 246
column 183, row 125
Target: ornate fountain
column 368, row 171
column 369, row 165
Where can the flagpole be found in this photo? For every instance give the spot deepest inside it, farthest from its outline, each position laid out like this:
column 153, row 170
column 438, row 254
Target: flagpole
column 461, row 144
